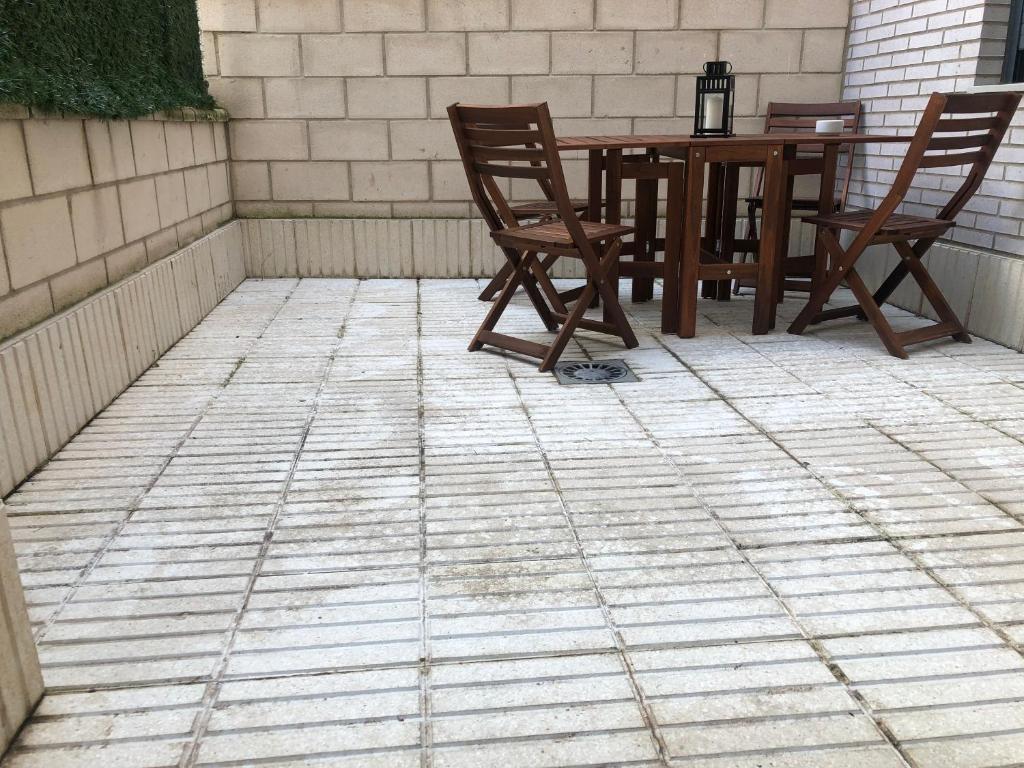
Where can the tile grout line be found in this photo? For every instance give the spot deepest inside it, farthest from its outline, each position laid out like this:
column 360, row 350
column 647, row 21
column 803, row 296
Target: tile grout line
column 190, row 751
column 426, row 729
column 850, row 504
column 133, row 505
column 644, row 707
column 887, row 735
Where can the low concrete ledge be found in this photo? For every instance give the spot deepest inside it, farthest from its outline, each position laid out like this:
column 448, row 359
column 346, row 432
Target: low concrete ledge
column 21, row 683
column 57, row 375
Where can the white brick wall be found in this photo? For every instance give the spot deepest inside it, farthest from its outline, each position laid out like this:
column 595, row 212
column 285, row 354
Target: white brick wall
column 899, row 52
column 363, row 84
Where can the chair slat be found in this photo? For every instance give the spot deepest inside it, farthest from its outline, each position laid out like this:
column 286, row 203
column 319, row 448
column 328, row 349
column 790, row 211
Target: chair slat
column 524, row 114
column 958, row 142
column 507, row 153
column 512, row 171
column 833, row 109
column 808, row 123
column 950, row 160
column 975, row 103
column 959, row 124
column 494, row 137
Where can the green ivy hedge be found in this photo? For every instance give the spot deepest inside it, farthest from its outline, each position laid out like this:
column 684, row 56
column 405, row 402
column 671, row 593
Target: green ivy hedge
column 108, row 58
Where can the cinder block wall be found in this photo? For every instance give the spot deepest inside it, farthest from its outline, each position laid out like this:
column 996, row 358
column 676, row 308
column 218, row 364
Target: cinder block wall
column 899, row 53
column 338, row 106
column 85, row 203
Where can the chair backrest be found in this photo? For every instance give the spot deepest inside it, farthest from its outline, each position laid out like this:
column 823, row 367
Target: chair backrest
column 515, row 142
column 956, row 130
column 795, row 117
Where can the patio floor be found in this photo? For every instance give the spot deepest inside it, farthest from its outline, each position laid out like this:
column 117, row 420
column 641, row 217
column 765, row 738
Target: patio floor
column 319, row 532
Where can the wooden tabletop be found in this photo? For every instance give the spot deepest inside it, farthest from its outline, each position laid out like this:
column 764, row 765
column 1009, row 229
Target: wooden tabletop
column 681, row 141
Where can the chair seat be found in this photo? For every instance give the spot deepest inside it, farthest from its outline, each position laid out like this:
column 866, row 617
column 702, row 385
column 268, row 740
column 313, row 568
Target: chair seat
column 799, row 203
column 536, row 208
column 555, row 233
column 899, row 224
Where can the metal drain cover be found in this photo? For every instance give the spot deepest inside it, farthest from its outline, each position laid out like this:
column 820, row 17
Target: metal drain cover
column 594, row 372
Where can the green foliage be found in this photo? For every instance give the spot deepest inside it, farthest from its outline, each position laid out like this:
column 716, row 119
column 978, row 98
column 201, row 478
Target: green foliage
column 108, row 58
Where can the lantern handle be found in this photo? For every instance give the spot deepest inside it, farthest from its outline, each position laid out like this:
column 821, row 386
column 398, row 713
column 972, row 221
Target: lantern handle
column 718, row 68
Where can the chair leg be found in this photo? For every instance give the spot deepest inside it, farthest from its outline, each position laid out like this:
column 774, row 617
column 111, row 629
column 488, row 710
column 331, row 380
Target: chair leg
column 540, row 268
column 568, row 328
column 517, row 270
column 874, row 315
column 493, row 287
column 823, row 292
column 751, row 235
column 597, row 284
column 912, row 258
column 613, row 308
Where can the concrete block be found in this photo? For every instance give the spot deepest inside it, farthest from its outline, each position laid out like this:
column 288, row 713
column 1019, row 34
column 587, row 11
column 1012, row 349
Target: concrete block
column 348, row 139
column 347, row 55
column 426, row 53
column 541, row 14
column 96, row 222
column 38, row 239
column 674, row 52
column 505, row 53
column 57, row 154
column 471, row 90
column 139, row 209
column 591, row 53
column 384, row 15
column 467, row 15
column 390, row 181
column 309, row 181
column 69, row 288
column 150, row 146
column 259, row 55
column 305, row 96
column 387, row 97
column 268, row 140
column 300, row 15
column 227, row 15
column 171, row 200
column 15, row 181
column 644, row 96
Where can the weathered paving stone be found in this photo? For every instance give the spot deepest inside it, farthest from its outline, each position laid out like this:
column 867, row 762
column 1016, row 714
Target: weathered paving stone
column 320, row 532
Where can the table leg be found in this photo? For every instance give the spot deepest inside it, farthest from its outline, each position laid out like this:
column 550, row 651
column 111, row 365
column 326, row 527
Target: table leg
column 689, row 264
column 613, row 210
column 595, row 180
column 787, row 222
column 727, row 236
column 646, row 231
column 674, row 214
column 709, row 243
column 772, row 234
column 826, row 207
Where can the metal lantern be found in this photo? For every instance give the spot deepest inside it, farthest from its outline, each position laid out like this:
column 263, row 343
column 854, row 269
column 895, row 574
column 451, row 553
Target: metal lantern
column 716, row 92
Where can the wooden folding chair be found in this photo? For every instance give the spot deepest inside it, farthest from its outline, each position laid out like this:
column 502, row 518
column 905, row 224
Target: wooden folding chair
column 534, row 210
column 519, row 142
column 951, row 123
column 789, row 118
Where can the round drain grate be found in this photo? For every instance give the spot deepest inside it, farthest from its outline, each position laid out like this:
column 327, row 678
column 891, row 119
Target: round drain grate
column 596, row 372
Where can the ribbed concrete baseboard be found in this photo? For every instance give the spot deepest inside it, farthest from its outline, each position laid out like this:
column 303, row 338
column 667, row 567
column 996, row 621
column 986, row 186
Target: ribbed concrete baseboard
column 55, row 377
column 21, row 684
column 374, row 248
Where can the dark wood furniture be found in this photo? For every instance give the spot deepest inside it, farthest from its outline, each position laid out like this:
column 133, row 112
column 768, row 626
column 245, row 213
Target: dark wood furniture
column 956, row 130
column 798, row 271
column 683, row 235
column 535, row 210
column 519, row 142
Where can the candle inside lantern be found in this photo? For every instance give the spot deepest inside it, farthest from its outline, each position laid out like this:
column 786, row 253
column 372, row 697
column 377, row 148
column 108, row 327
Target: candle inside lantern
column 714, row 104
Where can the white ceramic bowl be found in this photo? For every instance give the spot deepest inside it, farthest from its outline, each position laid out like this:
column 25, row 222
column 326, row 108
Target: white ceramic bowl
column 828, row 126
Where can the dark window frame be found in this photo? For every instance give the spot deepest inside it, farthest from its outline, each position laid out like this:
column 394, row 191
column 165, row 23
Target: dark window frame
column 1013, row 61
